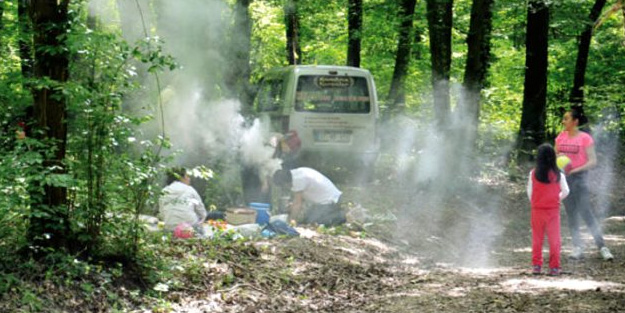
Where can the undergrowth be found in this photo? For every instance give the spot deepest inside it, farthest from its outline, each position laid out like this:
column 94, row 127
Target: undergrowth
column 64, row 283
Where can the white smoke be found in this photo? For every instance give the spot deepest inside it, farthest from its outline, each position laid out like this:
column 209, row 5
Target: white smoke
column 202, row 121
column 210, row 130
column 256, row 151
column 206, row 127
column 439, row 168
column 607, row 146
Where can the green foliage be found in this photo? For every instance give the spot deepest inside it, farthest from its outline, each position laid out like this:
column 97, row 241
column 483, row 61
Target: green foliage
column 16, row 173
column 224, row 189
column 323, row 32
column 268, row 38
column 379, row 42
column 103, row 153
column 114, row 169
column 31, row 285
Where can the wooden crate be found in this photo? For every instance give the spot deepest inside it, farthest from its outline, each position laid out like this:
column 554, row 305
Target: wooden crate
column 239, row 216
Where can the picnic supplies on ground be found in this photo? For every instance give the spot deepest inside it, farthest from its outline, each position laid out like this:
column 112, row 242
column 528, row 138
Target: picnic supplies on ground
column 279, row 227
column 281, row 217
column 239, row 216
column 184, row 231
column 248, row 230
column 262, row 212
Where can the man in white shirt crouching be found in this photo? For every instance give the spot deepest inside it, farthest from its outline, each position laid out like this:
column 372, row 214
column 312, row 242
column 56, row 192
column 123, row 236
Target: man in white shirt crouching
column 315, row 198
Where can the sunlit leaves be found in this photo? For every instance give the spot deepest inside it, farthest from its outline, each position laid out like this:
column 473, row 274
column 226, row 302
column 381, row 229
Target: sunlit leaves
column 150, row 51
column 58, row 180
column 201, row 172
column 268, row 40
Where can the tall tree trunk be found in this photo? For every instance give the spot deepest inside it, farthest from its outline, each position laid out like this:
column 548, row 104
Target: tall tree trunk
column 532, row 130
column 238, row 76
column 439, row 14
column 49, row 218
column 25, row 41
column 577, row 93
column 354, row 26
column 478, row 57
column 293, row 50
column 396, row 94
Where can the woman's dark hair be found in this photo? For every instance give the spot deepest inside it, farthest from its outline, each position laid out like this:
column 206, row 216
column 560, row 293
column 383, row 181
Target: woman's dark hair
column 545, row 163
column 282, row 177
column 174, row 174
column 577, row 113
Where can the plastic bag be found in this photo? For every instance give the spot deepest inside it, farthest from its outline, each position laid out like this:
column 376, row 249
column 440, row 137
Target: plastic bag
column 281, row 228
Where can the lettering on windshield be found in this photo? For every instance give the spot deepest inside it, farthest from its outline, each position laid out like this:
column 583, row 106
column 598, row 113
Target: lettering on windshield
column 314, row 96
column 334, row 81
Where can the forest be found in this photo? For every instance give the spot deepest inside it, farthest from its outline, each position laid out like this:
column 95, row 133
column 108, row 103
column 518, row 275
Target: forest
column 100, row 98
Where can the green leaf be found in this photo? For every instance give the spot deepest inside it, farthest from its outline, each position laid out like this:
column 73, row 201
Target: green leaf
column 58, row 180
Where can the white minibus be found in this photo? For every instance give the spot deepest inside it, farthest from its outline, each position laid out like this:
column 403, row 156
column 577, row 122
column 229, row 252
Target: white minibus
column 333, row 109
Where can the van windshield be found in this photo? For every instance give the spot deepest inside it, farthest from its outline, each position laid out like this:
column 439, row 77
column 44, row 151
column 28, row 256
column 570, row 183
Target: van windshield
column 332, row 94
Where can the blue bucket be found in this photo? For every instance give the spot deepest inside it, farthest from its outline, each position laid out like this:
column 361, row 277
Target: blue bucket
column 262, row 212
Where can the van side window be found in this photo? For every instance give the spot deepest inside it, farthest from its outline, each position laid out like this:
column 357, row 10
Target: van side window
column 332, row 94
column 269, row 96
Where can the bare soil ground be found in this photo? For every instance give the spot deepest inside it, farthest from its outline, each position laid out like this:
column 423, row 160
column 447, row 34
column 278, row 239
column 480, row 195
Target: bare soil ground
column 472, row 255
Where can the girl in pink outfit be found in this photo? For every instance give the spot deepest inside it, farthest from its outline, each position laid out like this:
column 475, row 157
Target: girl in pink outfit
column 546, row 187
column 580, row 148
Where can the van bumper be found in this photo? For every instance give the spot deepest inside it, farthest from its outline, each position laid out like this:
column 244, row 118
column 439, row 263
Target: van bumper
column 354, row 159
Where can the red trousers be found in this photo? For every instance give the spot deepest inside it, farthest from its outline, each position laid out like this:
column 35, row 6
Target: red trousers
column 546, row 220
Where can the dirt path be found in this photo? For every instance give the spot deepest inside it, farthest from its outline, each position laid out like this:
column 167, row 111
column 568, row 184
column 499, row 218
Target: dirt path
column 468, row 251
column 473, row 257
column 329, row 273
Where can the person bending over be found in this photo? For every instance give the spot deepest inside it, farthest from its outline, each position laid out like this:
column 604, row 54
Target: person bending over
column 315, row 198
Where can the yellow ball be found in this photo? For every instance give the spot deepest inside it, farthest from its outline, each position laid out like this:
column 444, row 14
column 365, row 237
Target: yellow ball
column 562, row 161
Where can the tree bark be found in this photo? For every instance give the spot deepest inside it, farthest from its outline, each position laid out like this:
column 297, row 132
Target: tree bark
column 238, row 78
column 293, row 50
column 439, row 15
column 354, row 26
column 25, row 41
column 577, row 93
column 49, row 218
column 396, row 94
column 532, row 129
column 478, row 58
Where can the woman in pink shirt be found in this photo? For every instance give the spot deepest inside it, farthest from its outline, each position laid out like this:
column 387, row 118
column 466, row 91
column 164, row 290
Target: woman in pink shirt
column 580, row 148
